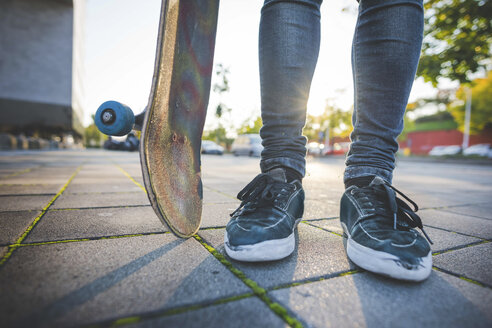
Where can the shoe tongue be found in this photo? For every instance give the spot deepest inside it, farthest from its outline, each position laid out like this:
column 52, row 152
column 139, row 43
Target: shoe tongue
column 278, row 174
column 377, row 181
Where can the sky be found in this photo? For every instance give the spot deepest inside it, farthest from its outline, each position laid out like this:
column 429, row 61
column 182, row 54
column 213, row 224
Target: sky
column 120, row 42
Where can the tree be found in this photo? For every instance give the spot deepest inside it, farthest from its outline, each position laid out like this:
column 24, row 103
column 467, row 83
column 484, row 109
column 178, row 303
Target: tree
column 481, row 112
column 336, row 120
column 458, row 38
column 219, row 135
column 251, row 126
column 220, row 88
column 92, row 136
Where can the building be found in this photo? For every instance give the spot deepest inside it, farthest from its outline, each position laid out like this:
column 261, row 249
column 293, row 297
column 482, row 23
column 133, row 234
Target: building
column 41, row 67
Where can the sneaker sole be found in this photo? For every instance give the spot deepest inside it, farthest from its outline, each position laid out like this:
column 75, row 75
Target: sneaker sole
column 387, row 264
column 270, row 250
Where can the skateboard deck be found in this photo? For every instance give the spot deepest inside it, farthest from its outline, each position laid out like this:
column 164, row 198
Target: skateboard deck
column 173, row 121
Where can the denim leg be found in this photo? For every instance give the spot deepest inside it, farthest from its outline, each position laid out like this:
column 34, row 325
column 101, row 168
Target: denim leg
column 288, row 51
column 385, row 54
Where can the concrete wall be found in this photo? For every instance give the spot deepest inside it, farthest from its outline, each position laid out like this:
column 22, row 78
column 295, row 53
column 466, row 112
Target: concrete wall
column 40, row 72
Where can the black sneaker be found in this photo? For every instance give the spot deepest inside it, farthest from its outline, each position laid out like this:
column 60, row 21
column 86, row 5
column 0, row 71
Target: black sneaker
column 379, row 227
column 262, row 228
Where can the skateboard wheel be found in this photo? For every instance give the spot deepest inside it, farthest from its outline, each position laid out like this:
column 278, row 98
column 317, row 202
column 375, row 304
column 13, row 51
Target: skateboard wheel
column 114, row 118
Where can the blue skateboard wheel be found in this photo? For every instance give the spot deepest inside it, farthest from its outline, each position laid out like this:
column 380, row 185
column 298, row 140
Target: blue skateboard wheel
column 114, row 118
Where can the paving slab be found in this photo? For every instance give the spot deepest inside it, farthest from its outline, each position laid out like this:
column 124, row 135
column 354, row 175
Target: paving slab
column 82, row 282
column 318, row 253
column 217, row 215
column 29, row 189
column 44, row 174
column 366, row 300
column 473, row 262
column 13, row 225
column 93, row 200
column 317, row 190
column 22, row 203
column 249, row 312
column 476, row 227
column 119, row 185
column 213, row 197
column 89, row 223
column 320, row 209
column 483, row 211
column 442, row 240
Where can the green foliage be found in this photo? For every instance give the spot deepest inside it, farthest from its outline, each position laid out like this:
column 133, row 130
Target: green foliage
column 458, row 38
column 434, row 125
column 221, row 87
column 481, row 108
column 251, row 126
column 219, row 135
column 338, row 121
column 440, row 116
column 92, row 136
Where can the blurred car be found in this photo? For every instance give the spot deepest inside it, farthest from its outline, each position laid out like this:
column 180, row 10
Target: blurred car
column 210, row 147
column 247, row 145
column 483, row 150
column 445, row 150
column 338, row 148
column 128, row 143
column 315, row 148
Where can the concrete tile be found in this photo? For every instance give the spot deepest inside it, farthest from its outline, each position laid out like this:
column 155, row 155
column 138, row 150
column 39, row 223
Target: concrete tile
column 442, row 240
column 476, row 227
column 83, row 282
column 318, row 253
column 483, row 211
column 20, row 203
column 105, row 185
column 20, row 189
column 249, row 312
column 101, row 200
column 229, row 188
column 217, row 215
column 13, row 225
column 366, row 300
column 319, row 209
column 213, row 197
column 319, row 191
column 87, row 223
column 473, row 262
column 44, row 174
column 330, row 225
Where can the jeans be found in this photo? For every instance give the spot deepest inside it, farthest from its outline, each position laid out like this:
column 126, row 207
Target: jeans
column 385, row 53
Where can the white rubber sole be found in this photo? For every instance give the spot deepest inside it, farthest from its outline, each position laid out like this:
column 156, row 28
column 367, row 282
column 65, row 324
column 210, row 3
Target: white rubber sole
column 269, row 250
column 387, row 264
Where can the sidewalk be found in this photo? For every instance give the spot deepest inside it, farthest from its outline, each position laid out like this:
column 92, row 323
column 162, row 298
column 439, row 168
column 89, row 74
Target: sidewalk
column 80, row 245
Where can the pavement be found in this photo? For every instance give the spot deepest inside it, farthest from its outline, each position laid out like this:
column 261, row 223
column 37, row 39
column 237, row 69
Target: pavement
column 81, row 246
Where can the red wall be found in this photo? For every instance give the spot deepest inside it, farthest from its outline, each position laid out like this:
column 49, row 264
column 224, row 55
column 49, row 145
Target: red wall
column 421, row 142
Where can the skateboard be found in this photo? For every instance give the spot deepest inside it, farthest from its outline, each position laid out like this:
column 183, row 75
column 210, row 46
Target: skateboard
column 172, row 123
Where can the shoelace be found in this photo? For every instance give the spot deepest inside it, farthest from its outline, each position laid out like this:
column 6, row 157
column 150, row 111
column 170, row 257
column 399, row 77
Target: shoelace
column 263, row 191
column 379, row 196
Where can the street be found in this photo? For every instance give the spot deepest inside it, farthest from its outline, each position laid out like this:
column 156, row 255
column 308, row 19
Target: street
column 81, row 245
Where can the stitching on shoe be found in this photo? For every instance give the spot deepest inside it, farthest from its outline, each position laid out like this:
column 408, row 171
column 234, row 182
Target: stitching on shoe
column 370, row 236
column 276, row 223
column 244, row 229
column 405, row 245
column 291, row 199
